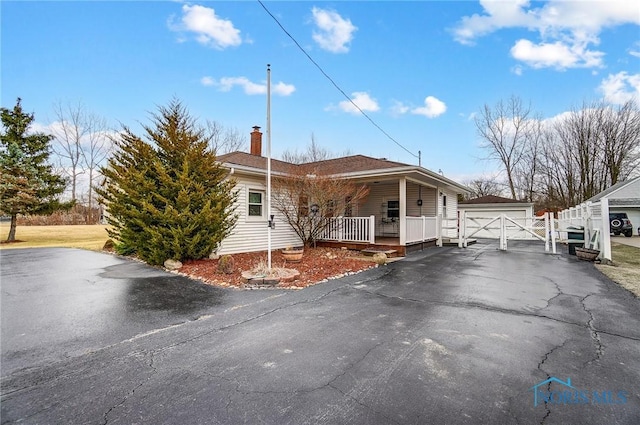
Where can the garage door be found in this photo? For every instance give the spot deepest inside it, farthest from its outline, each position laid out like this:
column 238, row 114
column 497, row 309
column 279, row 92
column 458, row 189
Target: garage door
column 479, row 218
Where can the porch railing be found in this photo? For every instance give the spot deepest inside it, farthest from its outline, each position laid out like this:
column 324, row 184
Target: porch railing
column 350, row 229
column 420, row 229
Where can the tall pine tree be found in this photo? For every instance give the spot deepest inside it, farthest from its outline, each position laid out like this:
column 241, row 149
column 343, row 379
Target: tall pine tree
column 28, row 184
column 167, row 197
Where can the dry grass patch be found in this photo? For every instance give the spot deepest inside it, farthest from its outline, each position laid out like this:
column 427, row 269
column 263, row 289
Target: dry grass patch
column 90, row 237
column 626, row 267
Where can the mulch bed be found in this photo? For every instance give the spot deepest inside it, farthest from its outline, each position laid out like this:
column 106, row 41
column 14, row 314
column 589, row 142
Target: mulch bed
column 317, row 265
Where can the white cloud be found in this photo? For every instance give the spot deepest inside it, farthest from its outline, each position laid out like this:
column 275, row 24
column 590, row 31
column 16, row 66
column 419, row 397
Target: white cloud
column 333, row 32
column 620, row 88
column 564, row 27
column 249, row 87
column 555, row 55
column 365, row 102
column 399, row 108
column 433, row 107
column 210, row 30
column 207, row 81
column 517, row 70
column 635, row 50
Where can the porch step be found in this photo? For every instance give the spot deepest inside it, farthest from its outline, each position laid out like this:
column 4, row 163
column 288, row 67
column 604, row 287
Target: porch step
column 371, row 251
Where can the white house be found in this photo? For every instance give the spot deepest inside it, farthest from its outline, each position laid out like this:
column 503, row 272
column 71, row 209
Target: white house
column 407, row 205
column 623, row 197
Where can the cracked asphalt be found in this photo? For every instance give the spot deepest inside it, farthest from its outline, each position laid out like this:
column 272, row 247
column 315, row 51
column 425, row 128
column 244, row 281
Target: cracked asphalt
column 446, row 336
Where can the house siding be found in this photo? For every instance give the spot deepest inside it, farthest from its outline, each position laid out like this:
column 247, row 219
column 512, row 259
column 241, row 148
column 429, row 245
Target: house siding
column 452, row 211
column 250, row 234
column 379, row 194
column 428, row 197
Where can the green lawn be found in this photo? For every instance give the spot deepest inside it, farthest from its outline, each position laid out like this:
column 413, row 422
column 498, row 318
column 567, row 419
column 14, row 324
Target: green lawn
column 90, row 237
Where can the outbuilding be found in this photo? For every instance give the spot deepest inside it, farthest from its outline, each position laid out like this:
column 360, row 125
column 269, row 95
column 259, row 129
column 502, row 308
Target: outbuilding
column 483, row 209
column 623, row 197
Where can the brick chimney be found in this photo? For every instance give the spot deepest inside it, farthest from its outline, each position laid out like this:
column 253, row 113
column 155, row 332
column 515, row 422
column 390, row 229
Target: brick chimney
column 256, row 141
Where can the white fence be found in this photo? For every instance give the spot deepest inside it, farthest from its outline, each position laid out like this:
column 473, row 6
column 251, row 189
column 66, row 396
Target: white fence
column 507, row 228
column 350, row 229
column 420, row 229
column 362, row 229
column 594, row 217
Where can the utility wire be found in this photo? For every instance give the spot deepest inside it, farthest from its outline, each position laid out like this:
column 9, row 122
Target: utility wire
column 334, row 83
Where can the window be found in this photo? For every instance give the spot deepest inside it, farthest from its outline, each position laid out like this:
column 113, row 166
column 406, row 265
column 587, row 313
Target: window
column 348, row 207
column 444, row 206
column 393, row 209
column 255, row 203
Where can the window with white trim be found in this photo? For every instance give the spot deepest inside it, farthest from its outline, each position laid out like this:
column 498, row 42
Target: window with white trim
column 255, row 203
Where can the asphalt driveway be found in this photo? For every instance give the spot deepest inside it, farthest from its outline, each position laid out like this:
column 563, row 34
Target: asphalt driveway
column 444, row 336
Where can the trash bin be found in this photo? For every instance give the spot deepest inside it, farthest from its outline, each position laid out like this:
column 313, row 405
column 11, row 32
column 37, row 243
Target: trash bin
column 577, row 234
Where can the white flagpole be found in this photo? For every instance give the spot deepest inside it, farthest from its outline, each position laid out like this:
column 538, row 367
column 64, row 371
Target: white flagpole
column 269, row 216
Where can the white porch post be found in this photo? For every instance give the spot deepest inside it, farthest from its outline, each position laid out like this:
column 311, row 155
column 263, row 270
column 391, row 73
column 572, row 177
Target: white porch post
column 372, row 229
column 403, row 210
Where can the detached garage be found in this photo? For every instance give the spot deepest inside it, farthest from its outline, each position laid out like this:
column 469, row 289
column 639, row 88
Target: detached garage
column 624, row 197
column 484, row 208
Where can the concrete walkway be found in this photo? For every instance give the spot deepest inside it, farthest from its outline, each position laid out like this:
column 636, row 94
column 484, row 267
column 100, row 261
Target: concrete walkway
column 632, row 241
column 446, row 336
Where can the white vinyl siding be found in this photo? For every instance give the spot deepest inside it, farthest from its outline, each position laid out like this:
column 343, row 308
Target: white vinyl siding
column 428, row 196
column 250, row 233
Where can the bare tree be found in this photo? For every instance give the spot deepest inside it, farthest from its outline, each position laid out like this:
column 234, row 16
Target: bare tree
column 312, row 153
column 504, row 130
column 96, row 149
column 224, row 139
column 485, row 186
column 588, row 150
column 620, row 132
column 68, row 134
column 526, row 172
column 308, row 199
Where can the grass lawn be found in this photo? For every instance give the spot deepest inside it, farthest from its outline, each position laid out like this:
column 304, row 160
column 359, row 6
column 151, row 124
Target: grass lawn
column 626, row 267
column 90, row 237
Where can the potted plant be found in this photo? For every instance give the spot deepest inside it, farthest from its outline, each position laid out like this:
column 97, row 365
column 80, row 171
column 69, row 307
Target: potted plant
column 293, row 254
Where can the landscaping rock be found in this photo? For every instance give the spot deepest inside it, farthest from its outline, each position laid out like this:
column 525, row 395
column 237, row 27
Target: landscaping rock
column 380, row 258
column 214, row 255
column 172, row 264
column 226, row 264
column 109, row 245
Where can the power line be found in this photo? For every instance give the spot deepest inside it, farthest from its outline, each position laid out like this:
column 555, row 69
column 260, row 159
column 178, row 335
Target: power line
column 334, row 83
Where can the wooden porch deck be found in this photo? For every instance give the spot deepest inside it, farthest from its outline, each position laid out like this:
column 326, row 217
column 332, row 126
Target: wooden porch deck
column 381, row 243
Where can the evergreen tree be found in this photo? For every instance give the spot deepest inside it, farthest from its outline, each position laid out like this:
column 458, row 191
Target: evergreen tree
column 167, row 197
column 28, row 184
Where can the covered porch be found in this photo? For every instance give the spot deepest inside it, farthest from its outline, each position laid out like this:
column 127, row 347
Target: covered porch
column 402, row 212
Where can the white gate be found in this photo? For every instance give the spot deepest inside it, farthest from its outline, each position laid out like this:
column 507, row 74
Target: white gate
column 505, row 228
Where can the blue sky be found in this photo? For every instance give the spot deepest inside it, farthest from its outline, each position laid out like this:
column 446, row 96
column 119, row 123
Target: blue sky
column 419, row 69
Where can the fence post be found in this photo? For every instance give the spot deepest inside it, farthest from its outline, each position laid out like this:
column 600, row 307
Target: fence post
column 547, row 236
column 503, row 233
column 439, row 230
column 605, row 251
column 552, row 225
column 462, row 234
